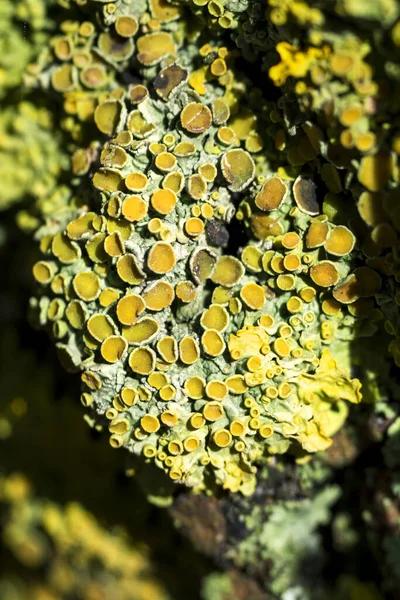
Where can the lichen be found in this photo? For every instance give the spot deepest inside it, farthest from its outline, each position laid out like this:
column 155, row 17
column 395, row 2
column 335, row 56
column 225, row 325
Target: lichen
column 330, row 117
column 217, row 255
column 84, row 64
column 289, row 538
column 31, row 157
column 200, row 360
column 217, row 586
column 24, row 30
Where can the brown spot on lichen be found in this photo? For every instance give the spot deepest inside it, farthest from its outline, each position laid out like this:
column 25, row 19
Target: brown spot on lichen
column 304, row 192
column 168, row 80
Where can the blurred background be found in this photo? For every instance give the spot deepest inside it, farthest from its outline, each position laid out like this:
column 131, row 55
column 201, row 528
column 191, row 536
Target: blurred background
column 77, row 520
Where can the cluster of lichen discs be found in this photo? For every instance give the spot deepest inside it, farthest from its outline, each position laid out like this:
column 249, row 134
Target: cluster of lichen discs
column 196, row 384
column 360, row 171
column 121, row 286
column 253, row 372
column 84, row 62
column 380, row 211
column 219, row 13
column 331, row 120
column 202, row 362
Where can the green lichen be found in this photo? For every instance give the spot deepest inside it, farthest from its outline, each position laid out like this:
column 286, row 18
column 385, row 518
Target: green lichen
column 31, row 157
column 201, row 361
column 217, row 586
column 23, row 31
column 148, row 362
column 332, row 113
column 289, row 538
column 221, row 263
column 84, row 64
column 124, row 285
